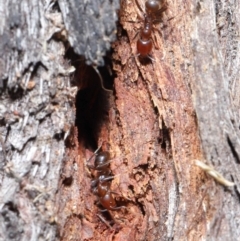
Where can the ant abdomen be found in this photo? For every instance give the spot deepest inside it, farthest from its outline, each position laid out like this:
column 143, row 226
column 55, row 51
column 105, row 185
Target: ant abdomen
column 103, row 188
column 144, row 47
column 108, row 202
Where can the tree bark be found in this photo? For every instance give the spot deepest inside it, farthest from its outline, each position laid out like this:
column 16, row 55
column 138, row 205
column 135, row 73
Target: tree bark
column 163, row 115
column 36, row 113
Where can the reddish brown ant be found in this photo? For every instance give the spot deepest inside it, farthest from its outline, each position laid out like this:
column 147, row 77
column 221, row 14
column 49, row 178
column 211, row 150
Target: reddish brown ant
column 104, row 193
column 101, row 184
column 144, row 43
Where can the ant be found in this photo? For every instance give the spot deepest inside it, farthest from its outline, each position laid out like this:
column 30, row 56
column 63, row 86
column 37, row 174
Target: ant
column 101, row 184
column 144, row 43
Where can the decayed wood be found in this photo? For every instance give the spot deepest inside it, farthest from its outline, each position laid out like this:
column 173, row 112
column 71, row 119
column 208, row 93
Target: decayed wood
column 154, row 102
column 164, row 116
column 188, row 66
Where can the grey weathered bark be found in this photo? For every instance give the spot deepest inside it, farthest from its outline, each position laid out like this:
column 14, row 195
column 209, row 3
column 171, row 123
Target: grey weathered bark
column 215, row 87
column 91, row 27
column 164, row 114
column 36, row 113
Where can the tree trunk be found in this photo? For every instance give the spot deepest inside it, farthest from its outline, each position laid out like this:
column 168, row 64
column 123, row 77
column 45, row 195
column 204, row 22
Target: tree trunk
column 163, row 114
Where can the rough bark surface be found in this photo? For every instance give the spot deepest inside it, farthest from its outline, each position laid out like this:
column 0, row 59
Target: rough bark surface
column 91, row 27
column 36, row 114
column 215, row 61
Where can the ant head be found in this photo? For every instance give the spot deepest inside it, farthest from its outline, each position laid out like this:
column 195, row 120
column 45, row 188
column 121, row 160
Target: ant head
column 102, row 160
column 152, row 6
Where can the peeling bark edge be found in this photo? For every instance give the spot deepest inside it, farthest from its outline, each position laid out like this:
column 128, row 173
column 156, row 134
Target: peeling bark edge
column 91, row 27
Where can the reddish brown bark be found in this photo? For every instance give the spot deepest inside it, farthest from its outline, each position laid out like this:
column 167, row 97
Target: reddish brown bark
column 157, row 127
column 153, row 139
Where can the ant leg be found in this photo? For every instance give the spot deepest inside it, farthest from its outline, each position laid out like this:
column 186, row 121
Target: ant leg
column 94, row 154
column 158, row 30
column 90, row 166
column 136, row 34
column 102, row 210
column 112, row 208
column 108, row 178
column 116, row 193
column 116, row 208
column 104, row 220
column 151, row 58
column 135, row 56
column 154, row 39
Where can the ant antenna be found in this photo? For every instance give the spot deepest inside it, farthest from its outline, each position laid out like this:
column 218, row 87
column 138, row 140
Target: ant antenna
column 98, row 73
column 94, row 154
column 101, row 79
